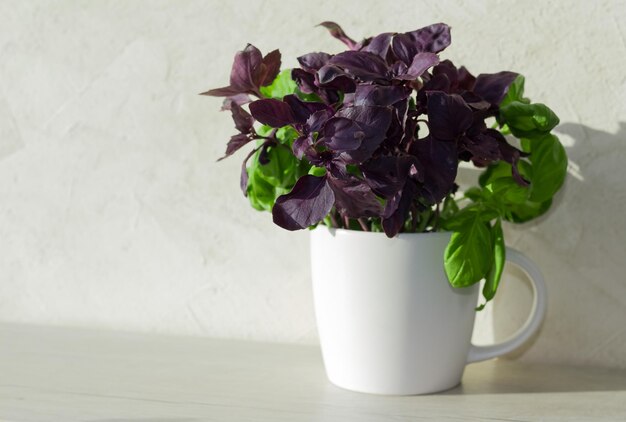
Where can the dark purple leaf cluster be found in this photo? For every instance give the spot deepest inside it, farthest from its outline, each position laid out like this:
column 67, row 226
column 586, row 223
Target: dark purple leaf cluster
column 387, row 120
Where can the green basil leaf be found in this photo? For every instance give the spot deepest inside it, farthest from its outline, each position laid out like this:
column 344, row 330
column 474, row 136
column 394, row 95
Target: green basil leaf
column 449, row 208
column 499, row 257
column 261, row 194
column 474, row 193
column 311, row 98
column 521, row 213
column 460, row 219
column 263, row 130
column 528, row 120
column 506, row 191
column 495, row 171
column 317, row 171
column 286, row 135
column 503, row 169
column 282, row 167
column 549, row 163
column 468, row 256
column 281, row 86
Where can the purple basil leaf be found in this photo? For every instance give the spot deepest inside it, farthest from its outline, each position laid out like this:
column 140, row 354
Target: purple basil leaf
column 379, row 45
column 226, row 91
column 310, row 200
column 410, row 125
column 474, row 101
column 519, row 179
column 250, row 70
column 313, row 61
column 302, row 145
column 512, row 155
column 466, row 80
column 386, row 175
column 448, row 115
column 247, row 63
column 271, row 112
column 243, row 181
column 329, row 73
column 433, row 38
column 235, row 143
column 446, row 67
column 482, row 147
column 398, row 69
column 331, row 76
column 239, row 99
column 302, row 110
column 420, row 64
column 264, row 157
column 493, row 87
column 397, row 209
column 380, row 95
column 439, row 162
column 354, row 198
column 365, row 66
column 438, row 82
column 341, row 134
column 304, row 80
column 318, row 119
column 404, row 48
column 329, row 96
column 374, row 122
column 243, row 120
column 336, row 31
column 269, row 69
column 374, row 119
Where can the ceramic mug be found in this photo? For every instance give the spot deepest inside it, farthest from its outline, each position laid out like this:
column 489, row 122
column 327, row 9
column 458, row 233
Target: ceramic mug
column 388, row 320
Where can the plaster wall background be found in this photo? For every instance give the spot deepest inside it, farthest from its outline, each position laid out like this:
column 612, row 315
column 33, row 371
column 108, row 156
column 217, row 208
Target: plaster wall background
column 114, row 213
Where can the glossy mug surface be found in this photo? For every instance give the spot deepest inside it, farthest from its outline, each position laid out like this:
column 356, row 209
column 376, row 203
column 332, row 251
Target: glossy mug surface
column 388, row 320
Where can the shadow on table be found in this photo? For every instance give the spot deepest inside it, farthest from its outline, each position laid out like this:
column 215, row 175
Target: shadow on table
column 510, row 377
column 146, row 420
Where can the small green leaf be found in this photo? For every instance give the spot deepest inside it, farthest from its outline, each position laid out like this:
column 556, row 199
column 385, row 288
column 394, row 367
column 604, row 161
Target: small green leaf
column 506, row 191
column 317, row 171
column 521, row 213
column 468, row 255
column 515, row 92
column 516, row 206
column 495, row 171
column 311, row 98
column 528, row 120
column 286, row 135
column 449, row 208
column 264, row 130
column 281, row 86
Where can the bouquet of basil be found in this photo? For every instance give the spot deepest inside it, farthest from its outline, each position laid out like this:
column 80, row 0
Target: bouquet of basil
column 371, row 139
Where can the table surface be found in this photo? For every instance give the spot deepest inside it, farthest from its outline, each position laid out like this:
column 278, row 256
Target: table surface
column 60, row 374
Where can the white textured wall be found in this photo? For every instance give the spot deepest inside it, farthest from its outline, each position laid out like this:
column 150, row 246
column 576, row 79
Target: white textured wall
column 113, row 212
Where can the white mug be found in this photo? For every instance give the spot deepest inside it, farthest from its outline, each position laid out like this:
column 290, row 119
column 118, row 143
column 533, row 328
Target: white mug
column 389, row 322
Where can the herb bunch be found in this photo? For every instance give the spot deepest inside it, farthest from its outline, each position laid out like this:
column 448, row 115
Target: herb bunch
column 371, row 139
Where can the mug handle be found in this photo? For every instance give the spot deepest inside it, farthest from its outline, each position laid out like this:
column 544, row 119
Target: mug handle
column 537, row 313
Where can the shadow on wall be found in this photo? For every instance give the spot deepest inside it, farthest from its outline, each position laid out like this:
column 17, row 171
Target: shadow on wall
column 582, row 250
column 596, row 162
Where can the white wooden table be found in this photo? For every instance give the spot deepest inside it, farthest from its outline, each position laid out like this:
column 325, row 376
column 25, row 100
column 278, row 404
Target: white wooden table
column 53, row 374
